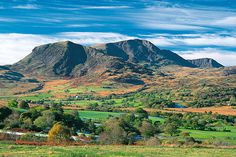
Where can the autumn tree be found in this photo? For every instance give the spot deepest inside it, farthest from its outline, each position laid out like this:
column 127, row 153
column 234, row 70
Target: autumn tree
column 59, row 133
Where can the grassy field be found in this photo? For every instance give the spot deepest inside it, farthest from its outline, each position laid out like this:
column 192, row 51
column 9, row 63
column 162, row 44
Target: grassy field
column 37, row 97
column 229, row 137
column 11, row 150
column 98, row 115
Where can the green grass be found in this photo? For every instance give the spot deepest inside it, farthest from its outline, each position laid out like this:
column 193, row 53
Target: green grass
column 157, row 119
column 88, row 89
column 11, row 150
column 37, row 97
column 229, row 137
column 83, row 102
column 97, row 115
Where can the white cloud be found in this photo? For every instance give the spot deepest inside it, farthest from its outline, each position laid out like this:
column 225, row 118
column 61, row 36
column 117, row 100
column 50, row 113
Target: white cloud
column 83, row 25
column 193, row 39
column 228, row 21
column 176, row 17
column 205, row 40
column 161, row 41
column 16, row 46
column 226, row 58
column 168, row 26
column 27, row 6
column 106, row 7
column 3, row 19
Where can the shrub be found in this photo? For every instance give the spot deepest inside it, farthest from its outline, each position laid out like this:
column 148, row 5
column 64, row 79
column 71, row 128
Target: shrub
column 32, row 138
column 189, row 140
column 153, row 141
column 185, row 134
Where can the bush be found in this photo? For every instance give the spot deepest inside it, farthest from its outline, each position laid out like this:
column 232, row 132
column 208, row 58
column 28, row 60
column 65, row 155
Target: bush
column 153, row 141
column 185, row 134
column 32, row 138
column 189, row 140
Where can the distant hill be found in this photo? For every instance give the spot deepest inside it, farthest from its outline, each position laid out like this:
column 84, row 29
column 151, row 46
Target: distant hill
column 206, row 63
column 143, row 51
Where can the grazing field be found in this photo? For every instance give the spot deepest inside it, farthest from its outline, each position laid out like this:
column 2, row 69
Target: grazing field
column 12, row 150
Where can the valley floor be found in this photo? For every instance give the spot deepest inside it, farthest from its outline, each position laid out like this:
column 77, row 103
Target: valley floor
column 13, row 150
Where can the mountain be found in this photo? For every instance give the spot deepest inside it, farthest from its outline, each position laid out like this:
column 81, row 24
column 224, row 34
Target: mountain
column 206, row 63
column 143, row 51
column 67, row 59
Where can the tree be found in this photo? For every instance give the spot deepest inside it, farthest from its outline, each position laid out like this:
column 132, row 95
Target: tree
column 72, row 120
column 113, row 133
column 46, row 121
column 141, row 113
column 23, row 104
column 147, row 130
column 59, row 133
column 4, row 112
column 12, row 121
column 12, row 103
column 171, row 129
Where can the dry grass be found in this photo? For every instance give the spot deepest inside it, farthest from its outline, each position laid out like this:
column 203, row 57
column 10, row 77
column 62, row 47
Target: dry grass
column 224, row 110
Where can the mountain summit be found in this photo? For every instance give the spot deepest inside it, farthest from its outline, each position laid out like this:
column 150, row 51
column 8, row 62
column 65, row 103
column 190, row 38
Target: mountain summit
column 143, row 51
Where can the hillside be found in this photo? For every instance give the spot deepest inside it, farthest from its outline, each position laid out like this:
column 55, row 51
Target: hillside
column 206, row 63
column 13, row 82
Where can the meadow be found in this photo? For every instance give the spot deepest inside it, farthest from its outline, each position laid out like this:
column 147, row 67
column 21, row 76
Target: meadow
column 101, row 116
column 12, row 150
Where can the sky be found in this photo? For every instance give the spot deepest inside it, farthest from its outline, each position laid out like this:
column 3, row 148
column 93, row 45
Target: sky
column 190, row 28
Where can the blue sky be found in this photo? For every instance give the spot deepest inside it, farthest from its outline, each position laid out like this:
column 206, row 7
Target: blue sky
column 191, row 28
